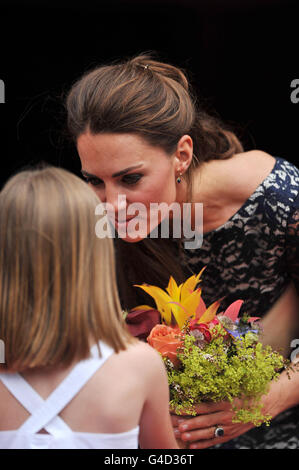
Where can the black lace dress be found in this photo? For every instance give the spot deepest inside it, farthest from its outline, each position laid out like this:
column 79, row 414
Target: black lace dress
column 254, row 256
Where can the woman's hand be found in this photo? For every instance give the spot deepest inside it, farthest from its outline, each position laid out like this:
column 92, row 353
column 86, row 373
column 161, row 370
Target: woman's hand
column 199, row 431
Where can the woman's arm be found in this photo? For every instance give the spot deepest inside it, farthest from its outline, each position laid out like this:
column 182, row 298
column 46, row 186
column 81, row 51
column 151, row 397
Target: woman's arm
column 280, row 327
column 292, row 244
column 281, row 323
column 156, row 430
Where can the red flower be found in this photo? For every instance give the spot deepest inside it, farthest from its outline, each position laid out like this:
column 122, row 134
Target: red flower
column 203, row 328
column 206, row 328
column 141, row 322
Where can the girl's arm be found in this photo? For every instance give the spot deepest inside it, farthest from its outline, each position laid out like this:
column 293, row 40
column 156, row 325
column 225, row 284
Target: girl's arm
column 156, row 431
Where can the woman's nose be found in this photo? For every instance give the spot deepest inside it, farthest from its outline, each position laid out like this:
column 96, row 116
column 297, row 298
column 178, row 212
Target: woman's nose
column 117, row 202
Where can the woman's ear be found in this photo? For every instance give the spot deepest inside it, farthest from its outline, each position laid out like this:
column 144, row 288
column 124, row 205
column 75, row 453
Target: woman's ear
column 183, row 154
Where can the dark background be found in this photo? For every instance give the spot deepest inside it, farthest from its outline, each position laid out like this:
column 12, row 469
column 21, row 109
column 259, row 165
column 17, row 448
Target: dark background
column 241, row 57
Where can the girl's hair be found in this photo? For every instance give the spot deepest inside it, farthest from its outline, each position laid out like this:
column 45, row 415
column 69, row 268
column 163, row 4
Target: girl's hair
column 152, row 99
column 58, row 290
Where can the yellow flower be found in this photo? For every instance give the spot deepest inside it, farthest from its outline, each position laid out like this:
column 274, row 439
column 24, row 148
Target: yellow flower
column 180, row 303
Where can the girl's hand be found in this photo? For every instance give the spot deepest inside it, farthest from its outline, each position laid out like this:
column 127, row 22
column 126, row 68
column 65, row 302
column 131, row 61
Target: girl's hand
column 199, row 431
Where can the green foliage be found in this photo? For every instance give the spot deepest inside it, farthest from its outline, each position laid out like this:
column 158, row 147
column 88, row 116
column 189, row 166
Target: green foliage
column 124, row 314
column 224, row 370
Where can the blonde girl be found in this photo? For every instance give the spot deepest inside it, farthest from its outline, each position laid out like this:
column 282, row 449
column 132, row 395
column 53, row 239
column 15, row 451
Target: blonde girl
column 73, row 376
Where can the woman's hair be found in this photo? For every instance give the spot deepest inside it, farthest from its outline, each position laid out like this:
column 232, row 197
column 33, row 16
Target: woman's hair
column 151, row 99
column 58, row 290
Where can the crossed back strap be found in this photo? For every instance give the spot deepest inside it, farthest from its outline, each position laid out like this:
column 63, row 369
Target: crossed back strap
column 44, row 412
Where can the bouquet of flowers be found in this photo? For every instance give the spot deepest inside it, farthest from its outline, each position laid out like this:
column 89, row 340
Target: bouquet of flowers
column 209, row 356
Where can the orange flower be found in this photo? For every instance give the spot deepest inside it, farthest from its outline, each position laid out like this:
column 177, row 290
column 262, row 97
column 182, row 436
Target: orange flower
column 166, row 340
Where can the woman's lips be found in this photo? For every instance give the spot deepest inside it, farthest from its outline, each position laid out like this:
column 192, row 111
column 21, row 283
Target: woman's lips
column 138, row 221
column 123, row 221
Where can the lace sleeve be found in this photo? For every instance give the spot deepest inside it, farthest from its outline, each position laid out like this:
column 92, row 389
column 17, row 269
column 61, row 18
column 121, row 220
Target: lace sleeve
column 292, row 244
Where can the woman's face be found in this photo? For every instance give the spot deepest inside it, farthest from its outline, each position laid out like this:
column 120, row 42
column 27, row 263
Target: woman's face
column 126, row 165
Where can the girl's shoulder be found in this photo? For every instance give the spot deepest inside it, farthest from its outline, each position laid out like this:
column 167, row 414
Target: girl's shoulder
column 140, row 355
column 138, row 361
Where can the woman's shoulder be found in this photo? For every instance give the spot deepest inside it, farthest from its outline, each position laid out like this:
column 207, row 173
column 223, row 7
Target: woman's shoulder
column 281, row 183
column 245, row 173
column 228, row 184
column 257, row 166
column 262, row 181
column 237, row 176
column 250, row 169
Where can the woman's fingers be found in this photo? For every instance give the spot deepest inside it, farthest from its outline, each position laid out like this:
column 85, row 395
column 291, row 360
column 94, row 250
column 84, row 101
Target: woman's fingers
column 230, row 432
column 207, row 434
column 176, row 420
column 205, row 421
column 203, row 409
column 199, row 431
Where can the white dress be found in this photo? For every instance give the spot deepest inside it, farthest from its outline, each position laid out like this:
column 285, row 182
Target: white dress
column 44, row 413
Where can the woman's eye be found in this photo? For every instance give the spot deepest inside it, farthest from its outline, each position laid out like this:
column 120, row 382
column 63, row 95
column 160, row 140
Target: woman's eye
column 127, row 179
column 131, row 179
column 93, row 181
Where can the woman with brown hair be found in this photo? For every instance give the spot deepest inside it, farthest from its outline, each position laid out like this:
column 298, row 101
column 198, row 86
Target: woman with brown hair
column 70, row 362
column 142, row 137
